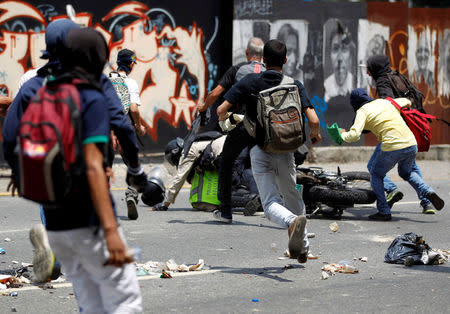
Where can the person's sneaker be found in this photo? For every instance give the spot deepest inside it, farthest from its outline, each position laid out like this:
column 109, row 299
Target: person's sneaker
column 393, row 197
column 296, row 233
column 217, row 214
column 303, row 257
column 437, row 202
column 428, row 209
column 252, row 206
column 43, row 258
column 380, row 217
column 132, row 209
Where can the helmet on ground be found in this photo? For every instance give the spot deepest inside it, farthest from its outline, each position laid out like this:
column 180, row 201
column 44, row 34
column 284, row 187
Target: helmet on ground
column 154, row 192
column 173, row 151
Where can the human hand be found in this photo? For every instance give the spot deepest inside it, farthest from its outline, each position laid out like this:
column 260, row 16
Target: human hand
column 116, row 248
column 342, row 130
column 315, row 137
column 141, row 130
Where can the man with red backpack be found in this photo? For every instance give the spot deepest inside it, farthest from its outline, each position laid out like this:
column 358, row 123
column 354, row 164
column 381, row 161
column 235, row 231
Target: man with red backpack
column 81, row 222
column 397, row 146
column 392, row 84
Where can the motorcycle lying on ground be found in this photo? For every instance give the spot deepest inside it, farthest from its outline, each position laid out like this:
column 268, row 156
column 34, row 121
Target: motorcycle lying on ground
column 338, row 191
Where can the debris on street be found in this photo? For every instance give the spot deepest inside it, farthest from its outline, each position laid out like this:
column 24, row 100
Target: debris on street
column 334, row 226
column 154, row 268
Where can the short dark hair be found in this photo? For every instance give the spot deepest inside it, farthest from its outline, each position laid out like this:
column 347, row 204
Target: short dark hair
column 275, row 53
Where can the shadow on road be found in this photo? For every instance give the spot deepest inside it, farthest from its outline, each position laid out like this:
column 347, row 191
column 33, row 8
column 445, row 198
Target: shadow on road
column 266, row 272
column 214, row 222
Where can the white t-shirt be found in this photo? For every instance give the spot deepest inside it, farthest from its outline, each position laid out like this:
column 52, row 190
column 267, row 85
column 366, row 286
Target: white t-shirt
column 133, row 89
column 26, row 76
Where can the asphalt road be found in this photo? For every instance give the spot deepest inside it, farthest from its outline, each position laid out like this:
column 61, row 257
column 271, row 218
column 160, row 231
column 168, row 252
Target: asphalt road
column 243, row 272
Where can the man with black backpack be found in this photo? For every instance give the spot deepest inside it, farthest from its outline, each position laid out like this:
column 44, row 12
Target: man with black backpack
column 128, row 91
column 393, row 84
column 277, row 138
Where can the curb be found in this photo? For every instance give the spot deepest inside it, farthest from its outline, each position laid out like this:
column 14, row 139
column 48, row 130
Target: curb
column 363, row 153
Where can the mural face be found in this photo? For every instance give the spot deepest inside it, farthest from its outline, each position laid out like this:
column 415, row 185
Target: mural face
column 172, row 70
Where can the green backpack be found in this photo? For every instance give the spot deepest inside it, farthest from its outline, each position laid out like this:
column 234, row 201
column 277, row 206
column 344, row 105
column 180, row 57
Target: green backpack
column 204, row 189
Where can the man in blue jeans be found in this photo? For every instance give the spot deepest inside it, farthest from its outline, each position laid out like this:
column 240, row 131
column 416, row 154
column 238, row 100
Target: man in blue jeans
column 378, row 67
column 397, row 146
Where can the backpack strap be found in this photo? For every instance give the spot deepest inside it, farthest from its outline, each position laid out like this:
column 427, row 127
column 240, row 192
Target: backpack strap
column 425, row 115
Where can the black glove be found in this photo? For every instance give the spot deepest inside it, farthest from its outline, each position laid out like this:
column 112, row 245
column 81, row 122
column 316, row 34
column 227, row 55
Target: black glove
column 139, row 182
column 160, row 207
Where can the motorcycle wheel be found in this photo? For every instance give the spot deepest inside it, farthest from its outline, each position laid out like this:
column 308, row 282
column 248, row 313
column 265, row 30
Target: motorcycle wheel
column 356, row 175
column 348, row 196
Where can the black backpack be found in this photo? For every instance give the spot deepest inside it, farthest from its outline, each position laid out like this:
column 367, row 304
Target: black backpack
column 402, row 87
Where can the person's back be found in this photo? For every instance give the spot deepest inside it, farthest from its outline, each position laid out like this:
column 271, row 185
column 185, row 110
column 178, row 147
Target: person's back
column 387, row 124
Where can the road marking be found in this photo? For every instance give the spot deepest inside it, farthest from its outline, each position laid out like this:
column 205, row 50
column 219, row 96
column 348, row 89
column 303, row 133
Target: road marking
column 15, row 230
column 140, row 278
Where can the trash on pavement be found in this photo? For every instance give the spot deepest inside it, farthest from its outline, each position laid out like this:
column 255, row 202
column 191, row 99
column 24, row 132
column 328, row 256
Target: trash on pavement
column 6, row 279
column 311, row 256
column 2, row 250
column 363, row 259
column 3, row 286
column 255, row 300
column 325, row 275
column 310, row 235
column 165, row 274
column 410, row 248
column 334, row 226
column 154, row 268
column 7, row 240
column 341, row 267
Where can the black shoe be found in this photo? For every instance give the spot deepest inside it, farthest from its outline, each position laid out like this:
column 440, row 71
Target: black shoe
column 380, row 217
column 393, row 197
column 252, row 206
column 437, row 202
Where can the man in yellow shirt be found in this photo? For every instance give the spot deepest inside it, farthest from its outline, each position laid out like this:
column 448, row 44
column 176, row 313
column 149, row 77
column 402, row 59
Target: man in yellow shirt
column 398, row 146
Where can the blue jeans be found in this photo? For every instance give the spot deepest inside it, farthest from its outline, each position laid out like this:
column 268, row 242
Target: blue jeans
column 275, row 177
column 383, row 161
column 389, row 185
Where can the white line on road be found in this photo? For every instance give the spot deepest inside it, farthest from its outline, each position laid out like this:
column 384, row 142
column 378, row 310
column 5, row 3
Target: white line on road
column 140, row 278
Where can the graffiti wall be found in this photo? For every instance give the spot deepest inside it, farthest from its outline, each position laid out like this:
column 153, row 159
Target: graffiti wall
column 328, row 42
column 180, row 51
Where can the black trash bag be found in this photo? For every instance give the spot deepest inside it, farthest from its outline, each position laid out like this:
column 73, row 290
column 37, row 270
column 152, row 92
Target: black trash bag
column 408, row 244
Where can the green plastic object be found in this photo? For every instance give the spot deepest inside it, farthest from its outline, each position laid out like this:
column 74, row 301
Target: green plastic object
column 335, row 133
column 204, row 189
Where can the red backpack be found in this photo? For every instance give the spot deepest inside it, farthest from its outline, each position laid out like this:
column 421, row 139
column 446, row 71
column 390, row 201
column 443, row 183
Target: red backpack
column 49, row 139
column 418, row 124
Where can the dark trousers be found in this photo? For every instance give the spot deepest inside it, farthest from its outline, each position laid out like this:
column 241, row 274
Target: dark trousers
column 236, row 141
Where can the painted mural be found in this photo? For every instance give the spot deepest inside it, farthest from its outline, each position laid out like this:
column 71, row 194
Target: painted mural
column 177, row 63
column 329, row 44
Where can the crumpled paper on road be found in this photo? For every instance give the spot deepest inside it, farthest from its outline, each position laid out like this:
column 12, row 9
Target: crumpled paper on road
column 155, row 268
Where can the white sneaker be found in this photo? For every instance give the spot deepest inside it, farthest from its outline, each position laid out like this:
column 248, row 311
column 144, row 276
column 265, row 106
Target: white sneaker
column 43, row 259
column 217, row 214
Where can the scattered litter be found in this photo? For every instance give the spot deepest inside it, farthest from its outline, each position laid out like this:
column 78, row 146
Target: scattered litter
column 273, row 247
column 410, row 249
column 15, row 262
column 7, row 240
column 311, row 256
column 363, row 259
column 3, row 286
column 14, row 294
column 2, row 250
column 6, row 279
column 25, row 265
column 310, row 235
column 155, row 268
column 325, row 275
column 341, row 267
column 371, row 277
column 282, row 258
column 255, row 300
column 165, row 274
column 142, row 272
column 288, row 266
column 334, row 226
column 13, row 309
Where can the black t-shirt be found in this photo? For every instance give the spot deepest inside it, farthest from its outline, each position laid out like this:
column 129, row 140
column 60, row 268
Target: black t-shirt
column 246, row 92
column 229, row 78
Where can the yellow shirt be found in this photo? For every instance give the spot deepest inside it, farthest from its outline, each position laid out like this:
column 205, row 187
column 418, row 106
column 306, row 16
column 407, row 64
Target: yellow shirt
column 385, row 121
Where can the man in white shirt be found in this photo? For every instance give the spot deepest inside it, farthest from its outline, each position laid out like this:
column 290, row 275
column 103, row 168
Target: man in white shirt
column 126, row 59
